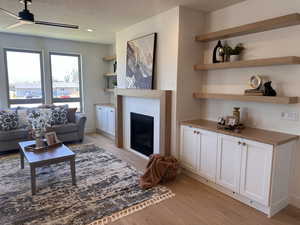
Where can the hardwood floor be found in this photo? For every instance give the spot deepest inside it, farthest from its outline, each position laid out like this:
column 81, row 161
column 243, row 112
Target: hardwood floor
column 194, row 203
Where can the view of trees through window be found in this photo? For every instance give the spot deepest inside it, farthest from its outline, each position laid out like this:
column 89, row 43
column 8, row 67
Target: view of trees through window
column 66, row 79
column 24, row 76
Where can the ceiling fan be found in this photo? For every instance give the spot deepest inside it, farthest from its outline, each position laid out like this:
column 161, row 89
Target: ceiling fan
column 26, row 17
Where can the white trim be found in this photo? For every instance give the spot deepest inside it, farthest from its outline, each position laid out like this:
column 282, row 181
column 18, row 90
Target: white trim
column 89, row 130
column 295, row 201
column 269, row 211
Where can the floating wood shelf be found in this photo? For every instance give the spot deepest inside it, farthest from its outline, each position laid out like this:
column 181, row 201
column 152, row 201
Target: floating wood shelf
column 265, row 25
column 110, row 74
column 288, row 60
column 246, row 98
column 111, row 90
column 109, row 58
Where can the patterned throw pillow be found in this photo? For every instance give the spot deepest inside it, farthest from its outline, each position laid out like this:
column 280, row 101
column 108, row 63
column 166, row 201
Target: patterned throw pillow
column 59, row 116
column 8, row 120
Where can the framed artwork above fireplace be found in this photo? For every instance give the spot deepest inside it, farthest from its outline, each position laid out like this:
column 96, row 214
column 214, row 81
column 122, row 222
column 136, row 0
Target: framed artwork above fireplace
column 140, row 62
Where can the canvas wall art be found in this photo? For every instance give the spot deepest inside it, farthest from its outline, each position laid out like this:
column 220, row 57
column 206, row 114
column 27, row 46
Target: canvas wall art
column 140, row 62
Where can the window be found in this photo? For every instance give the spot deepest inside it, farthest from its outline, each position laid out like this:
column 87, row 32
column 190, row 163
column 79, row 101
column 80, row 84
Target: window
column 24, row 75
column 66, row 80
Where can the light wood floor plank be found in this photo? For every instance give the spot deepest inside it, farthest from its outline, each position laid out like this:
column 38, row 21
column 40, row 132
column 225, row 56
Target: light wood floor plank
column 194, row 203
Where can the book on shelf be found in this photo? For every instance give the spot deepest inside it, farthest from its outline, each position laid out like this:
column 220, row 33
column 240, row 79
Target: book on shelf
column 254, row 92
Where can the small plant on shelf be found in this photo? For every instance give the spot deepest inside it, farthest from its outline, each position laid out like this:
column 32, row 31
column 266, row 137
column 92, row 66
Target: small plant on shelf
column 114, row 83
column 236, row 52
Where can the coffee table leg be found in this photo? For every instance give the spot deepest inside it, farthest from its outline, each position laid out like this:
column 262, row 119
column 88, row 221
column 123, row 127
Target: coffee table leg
column 22, row 160
column 73, row 171
column 33, row 180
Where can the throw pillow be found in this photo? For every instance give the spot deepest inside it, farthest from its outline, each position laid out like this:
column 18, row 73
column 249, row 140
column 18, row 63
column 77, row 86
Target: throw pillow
column 8, row 120
column 22, row 118
column 59, row 116
column 71, row 115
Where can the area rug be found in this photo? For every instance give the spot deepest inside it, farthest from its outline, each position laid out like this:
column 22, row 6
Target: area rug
column 107, row 189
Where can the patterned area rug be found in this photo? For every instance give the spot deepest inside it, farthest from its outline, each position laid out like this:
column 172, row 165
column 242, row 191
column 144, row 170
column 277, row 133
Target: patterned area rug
column 107, row 189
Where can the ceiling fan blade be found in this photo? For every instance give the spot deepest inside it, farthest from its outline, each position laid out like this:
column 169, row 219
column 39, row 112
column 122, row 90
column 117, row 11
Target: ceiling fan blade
column 9, row 13
column 57, row 24
column 20, row 23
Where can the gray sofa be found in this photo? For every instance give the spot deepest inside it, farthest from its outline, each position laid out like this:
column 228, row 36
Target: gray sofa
column 69, row 132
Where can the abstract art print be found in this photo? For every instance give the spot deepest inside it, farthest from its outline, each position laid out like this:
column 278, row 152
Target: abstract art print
column 140, row 62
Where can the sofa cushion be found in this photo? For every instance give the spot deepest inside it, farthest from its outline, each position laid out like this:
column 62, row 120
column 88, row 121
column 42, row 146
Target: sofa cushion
column 59, row 116
column 71, row 115
column 8, row 120
column 65, row 128
column 13, row 134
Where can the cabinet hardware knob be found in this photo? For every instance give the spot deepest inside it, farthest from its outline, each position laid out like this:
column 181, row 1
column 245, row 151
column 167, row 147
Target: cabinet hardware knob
column 194, row 132
column 198, row 132
column 244, row 144
column 239, row 143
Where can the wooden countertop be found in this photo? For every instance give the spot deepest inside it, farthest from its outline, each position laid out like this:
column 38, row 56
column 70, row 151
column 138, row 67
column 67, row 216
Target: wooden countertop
column 260, row 135
column 106, row 104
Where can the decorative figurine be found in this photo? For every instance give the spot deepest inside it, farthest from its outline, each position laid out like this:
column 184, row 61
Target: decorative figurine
column 269, row 91
column 256, row 84
column 236, row 113
column 218, row 54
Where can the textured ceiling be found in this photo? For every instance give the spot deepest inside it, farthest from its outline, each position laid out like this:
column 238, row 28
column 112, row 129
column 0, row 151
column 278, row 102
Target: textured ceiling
column 104, row 16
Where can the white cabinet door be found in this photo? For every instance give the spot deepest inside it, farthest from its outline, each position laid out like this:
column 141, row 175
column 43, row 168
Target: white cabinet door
column 256, row 171
column 208, row 155
column 190, row 147
column 102, row 118
column 229, row 162
column 98, row 117
column 111, row 121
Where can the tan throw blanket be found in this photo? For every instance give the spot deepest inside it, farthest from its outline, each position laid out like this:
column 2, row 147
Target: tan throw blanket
column 159, row 169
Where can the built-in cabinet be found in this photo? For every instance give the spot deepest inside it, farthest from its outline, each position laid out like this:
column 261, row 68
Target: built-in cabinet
column 237, row 166
column 105, row 119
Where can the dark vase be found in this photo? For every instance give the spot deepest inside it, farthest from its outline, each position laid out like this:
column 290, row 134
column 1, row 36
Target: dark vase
column 115, row 66
column 218, row 53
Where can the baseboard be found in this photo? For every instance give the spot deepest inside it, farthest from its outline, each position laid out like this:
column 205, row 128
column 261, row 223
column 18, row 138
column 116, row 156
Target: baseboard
column 89, row 130
column 278, row 206
column 105, row 134
column 295, row 201
column 264, row 209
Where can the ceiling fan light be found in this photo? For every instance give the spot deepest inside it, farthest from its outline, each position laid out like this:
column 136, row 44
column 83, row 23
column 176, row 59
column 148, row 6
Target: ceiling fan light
column 29, row 2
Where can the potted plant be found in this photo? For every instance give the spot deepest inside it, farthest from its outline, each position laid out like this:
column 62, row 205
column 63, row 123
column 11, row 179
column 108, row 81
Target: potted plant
column 114, row 83
column 236, row 52
column 227, row 52
column 233, row 54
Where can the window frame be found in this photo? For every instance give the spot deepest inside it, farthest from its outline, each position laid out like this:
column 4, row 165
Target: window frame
column 67, row 100
column 24, row 101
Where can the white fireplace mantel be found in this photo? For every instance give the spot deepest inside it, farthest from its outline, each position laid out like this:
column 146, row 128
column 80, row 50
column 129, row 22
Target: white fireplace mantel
column 164, row 98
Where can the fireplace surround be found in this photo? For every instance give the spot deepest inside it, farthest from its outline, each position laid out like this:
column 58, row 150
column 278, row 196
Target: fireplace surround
column 144, row 102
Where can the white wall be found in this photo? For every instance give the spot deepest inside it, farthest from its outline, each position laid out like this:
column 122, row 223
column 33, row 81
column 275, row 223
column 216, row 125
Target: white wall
column 166, row 26
column 191, row 23
column 281, row 42
column 93, row 67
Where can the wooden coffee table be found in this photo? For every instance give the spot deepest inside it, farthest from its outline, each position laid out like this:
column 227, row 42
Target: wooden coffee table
column 44, row 158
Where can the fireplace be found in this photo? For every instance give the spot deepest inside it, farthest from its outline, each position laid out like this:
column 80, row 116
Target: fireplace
column 142, row 133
